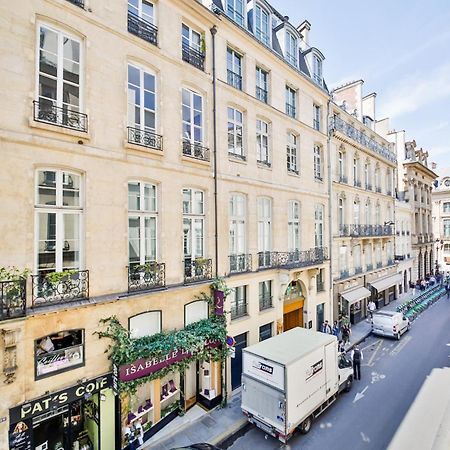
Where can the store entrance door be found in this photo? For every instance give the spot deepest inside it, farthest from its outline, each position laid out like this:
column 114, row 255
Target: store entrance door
column 190, row 384
column 236, row 362
column 293, row 315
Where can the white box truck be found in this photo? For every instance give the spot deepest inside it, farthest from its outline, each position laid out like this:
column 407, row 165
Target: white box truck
column 290, row 379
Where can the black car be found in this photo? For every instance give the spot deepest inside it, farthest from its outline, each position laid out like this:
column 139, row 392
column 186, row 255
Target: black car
column 200, row 446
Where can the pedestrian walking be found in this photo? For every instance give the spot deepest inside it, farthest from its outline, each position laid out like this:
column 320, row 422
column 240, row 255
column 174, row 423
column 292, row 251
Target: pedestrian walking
column 357, row 357
column 346, row 333
column 372, row 308
column 341, row 347
column 326, row 327
column 336, row 330
column 447, row 288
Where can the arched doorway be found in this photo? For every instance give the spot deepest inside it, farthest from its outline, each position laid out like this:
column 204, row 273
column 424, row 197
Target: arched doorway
column 294, row 300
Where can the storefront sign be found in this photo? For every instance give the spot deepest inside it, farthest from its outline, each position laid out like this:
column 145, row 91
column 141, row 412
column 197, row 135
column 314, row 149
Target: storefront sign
column 144, row 367
column 20, row 435
column 315, row 368
column 59, row 360
column 219, row 297
column 58, row 399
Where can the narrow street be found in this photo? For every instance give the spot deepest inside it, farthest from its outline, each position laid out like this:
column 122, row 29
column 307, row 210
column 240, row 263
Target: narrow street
column 392, row 373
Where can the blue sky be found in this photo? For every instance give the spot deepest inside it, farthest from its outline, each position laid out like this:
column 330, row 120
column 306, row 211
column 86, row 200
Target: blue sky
column 400, row 48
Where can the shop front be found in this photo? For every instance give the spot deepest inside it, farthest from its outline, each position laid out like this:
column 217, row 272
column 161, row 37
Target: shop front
column 80, row 417
column 354, row 303
column 384, row 290
column 293, row 304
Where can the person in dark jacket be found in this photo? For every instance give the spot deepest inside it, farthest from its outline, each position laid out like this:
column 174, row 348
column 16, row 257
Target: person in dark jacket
column 357, row 357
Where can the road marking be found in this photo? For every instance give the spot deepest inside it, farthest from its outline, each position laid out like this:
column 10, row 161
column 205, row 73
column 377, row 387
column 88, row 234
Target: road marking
column 377, row 377
column 370, row 363
column 364, row 437
column 399, row 347
column 360, row 395
column 372, row 344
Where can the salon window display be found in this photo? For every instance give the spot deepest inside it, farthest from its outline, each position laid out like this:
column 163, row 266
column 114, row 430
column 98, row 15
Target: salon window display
column 59, row 352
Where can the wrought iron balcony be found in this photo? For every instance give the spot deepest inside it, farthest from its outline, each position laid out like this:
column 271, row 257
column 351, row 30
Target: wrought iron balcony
column 320, row 286
column 79, row 3
column 358, row 270
column 193, row 57
column 265, row 302
column 195, row 150
column 199, row 269
column 59, row 287
column 301, row 258
column 344, row 274
column 240, row 263
column 143, row 29
column 46, row 111
column 337, row 124
column 369, row 186
column 343, row 179
column 356, row 183
column 267, row 260
column 290, row 110
column 369, row 267
column 144, row 277
column 378, row 189
column 234, row 79
column 390, row 262
column 144, row 138
column 12, row 298
column 238, row 310
column 379, row 264
column 261, row 94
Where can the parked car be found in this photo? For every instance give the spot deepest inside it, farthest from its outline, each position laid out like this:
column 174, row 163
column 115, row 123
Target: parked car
column 390, row 323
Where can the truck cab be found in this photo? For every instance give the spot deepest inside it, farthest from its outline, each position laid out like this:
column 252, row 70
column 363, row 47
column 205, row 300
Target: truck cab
column 345, row 372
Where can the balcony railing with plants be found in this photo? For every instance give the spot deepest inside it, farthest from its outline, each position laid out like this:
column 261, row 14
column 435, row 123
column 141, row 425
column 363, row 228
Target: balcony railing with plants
column 193, row 57
column 195, row 150
column 144, row 277
column 196, row 270
column 238, row 310
column 234, row 79
column 79, row 3
column 45, row 111
column 143, row 29
column 59, row 287
column 265, row 302
column 267, row 260
column 144, row 138
column 290, row 110
column 12, row 298
column 337, row 124
column 240, row 263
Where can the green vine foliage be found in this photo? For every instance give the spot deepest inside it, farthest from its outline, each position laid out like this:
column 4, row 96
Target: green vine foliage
column 13, row 273
column 55, row 277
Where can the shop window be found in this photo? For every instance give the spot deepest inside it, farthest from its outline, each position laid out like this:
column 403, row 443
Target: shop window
column 59, row 352
column 195, row 311
column 145, row 324
column 265, row 331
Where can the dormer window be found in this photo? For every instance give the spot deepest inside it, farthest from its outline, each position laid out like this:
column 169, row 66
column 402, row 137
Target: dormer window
column 317, row 69
column 262, row 29
column 235, row 10
column 291, row 49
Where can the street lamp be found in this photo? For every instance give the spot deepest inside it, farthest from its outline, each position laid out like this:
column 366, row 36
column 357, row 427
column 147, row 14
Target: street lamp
column 439, row 244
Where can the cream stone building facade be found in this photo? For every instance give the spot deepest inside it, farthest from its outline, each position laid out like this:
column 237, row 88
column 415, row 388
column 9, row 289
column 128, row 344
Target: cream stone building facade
column 441, row 221
column 363, row 170
column 148, row 148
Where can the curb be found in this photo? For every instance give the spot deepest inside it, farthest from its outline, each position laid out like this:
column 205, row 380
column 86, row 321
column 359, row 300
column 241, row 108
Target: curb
column 358, row 341
column 235, row 427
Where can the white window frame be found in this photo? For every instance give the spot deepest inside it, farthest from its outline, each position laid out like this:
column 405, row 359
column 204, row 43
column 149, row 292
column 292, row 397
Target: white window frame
column 368, row 213
column 196, row 218
column 341, row 211
column 292, row 152
column 319, row 225
column 140, row 12
column 291, row 100
column 317, row 69
column 264, row 205
column 318, row 169
column 192, row 94
column 235, row 69
column 294, row 230
column 355, row 171
column 356, row 212
column 357, row 256
column 238, row 224
column 190, row 41
column 341, row 164
column 343, row 258
column 239, row 298
column 262, row 82
column 235, row 131
column 234, row 13
column 155, row 315
column 198, row 308
column 260, row 33
column 262, row 142
column 291, row 49
column 317, row 122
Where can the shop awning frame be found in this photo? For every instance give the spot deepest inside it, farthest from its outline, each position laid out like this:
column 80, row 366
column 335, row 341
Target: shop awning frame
column 387, row 282
column 355, row 295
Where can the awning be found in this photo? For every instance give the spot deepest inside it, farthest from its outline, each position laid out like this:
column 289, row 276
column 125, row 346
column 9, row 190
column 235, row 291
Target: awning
column 387, row 282
column 355, row 295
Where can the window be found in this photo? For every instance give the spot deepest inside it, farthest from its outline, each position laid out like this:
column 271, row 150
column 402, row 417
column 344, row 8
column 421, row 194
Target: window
column 341, row 212
column 235, row 10
column 262, row 78
column 377, row 214
column 291, row 95
column 318, row 226
column 190, row 38
column 318, row 163
column 265, row 295
column 446, row 228
column 195, row 311
column 145, row 324
column 368, row 213
column 291, row 150
column 357, row 257
column 262, row 28
column 378, row 255
column 291, row 49
column 262, row 142
column 237, row 224
column 265, row 331
column 356, row 212
column 356, row 181
column 59, row 90
column 193, row 224
column 388, row 182
column 343, row 259
column 238, row 299
column 446, row 247
column 368, row 252
column 367, row 178
column 59, row 210
column 234, row 69
column 320, row 280
column 58, row 353
column 293, row 226
column 446, row 207
column 341, row 166
column 192, row 110
column 317, row 69
column 142, row 223
column 377, row 179
column 316, row 120
column 264, row 224
column 235, row 127
column 142, row 9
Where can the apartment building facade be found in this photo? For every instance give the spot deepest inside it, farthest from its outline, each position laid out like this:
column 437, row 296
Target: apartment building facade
column 133, row 178
column 441, row 221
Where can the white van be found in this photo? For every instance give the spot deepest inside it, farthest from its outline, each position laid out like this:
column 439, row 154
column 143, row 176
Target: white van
column 390, row 323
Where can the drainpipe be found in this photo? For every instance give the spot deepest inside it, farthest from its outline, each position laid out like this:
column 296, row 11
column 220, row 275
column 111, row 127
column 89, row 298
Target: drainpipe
column 213, row 32
column 330, row 197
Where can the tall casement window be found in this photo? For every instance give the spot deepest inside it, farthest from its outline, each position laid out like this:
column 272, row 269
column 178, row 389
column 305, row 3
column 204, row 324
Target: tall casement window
column 192, row 110
column 143, row 9
column 235, row 127
column 235, row 10
column 193, row 224
column 341, row 212
column 368, row 212
column 59, row 213
column 291, row 100
column 356, row 181
column 293, row 226
column 377, row 214
column 341, row 166
column 378, row 255
column 357, row 257
column 356, row 212
column 262, row 142
column 265, row 295
column 237, row 224
column 234, row 68
column 367, row 177
column 389, row 182
column 446, row 227
column 369, row 257
column 316, row 117
column 142, row 222
column 264, row 224
column 190, row 38
column 58, row 84
column 377, row 181
column 318, row 169
column 292, row 155
column 262, row 25
column 343, row 265
column 238, row 300
column 262, row 85
column 318, row 225
column 291, row 49
column 317, row 69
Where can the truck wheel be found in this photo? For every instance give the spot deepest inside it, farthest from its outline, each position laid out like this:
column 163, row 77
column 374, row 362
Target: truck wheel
column 305, row 426
column 348, row 384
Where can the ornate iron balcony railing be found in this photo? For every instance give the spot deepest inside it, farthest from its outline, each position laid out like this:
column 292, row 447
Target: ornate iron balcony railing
column 144, row 277
column 195, row 150
column 358, row 270
column 234, row 79
column 144, row 138
column 261, row 94
column 356, row 183
column 266, row 260
column 360, row 230
column 240, row 263
column 48, row 290
column 12, row 298
column 294, row 259
column 378, row 189
column 369, row 267
column 238, row 310
column 265, row 302
column 290, row 110
column 379, row 264
column 343, row 179
column 79, row 3
column 369, row 186
column 143, row 29
column 344, row 274
column 199, row 269
column 46, row 111
column 193, row 57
